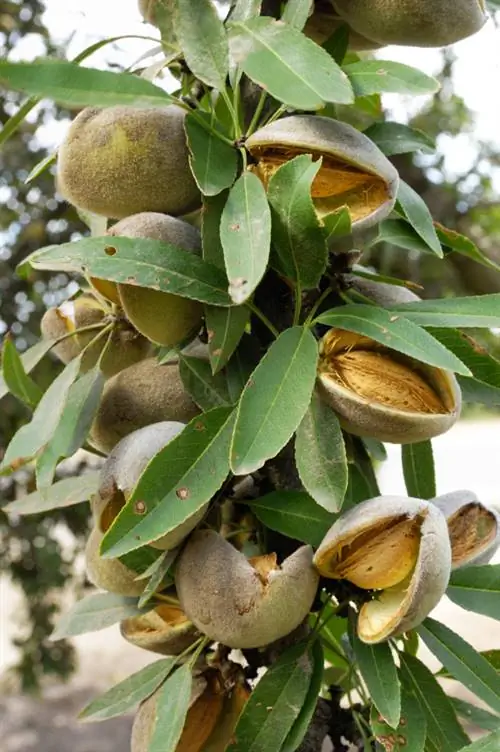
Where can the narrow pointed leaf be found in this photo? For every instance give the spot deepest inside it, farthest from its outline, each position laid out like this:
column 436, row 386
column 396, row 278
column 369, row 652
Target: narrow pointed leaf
column 297, row 12
column 16, row 379
column 490, row 743
column 160, row 577
column 64, row 493
column 29, row 360
column 274, row 400
column 213, row 206
column 138, row 261
column 409, row 736
column 214, row 163
column 245, row 232
column 396, row 138
column 70, row 84
column 294, row 514
column 477, row 589
column 128, row 693
column 418, row 215
column 394, row 331
column 470, row 312
column 225, row 327
column 171, row 710
column 418, row 469
column 383, row 76
column 298, row 236
column 287, row 64
column 203, row 40
column 178, row 481
column 464, row 246
column 321, row 457
column 95, row 612
column 301, row 725
column 482, row 365
column 465, row 663
column 476, row 391
column 476, row 716
column 245, row 9
column 400, row 233
column 275, row 704
column 206, row 389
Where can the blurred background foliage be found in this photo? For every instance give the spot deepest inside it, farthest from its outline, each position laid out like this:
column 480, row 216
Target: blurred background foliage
column 35, row 551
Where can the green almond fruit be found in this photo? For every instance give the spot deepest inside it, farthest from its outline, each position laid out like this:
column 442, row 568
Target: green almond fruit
column 109, row 574
column 323, row 22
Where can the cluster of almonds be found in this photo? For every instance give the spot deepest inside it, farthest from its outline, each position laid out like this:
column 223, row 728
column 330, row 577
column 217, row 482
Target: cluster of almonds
column 132, row 165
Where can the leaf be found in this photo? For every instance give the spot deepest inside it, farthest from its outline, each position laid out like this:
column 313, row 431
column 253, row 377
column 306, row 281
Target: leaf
column 337, row 43
column 171, row 709
column 225, row 327
column 214, row 163
column 159, row 575
column 383, row 76
column 418, row 215
column 409, row 735
column 476, row 357
column 95, row 612
column 245, row 9
column 128, row 693
column 320, row 456
column 274, row 400
column 477, row 589
column 203, row 40
column 296, row 13
column 64, row 493
column 206, row 389
column 245, row 233
column 396, row 138
column 138, row 261
column 395, row 332
column 211, row 215
column 301, row 725
column 463, row 661
column 16, row 379
column 463, row 246
column 76, row 418
column 288, row 65
column 337, row 224
column 240, row 367
column 477, row 716
column 29, row 360
column 275, row 703
column 475, row 391
column 444, row 733
column 35, row 434
column 177, row 482
column 70, row 84
column 400, row 233
column 379, row 673
column 474, row 311
column 298, row 237
column 418, row 469
column 490, row 743
column 294, row 514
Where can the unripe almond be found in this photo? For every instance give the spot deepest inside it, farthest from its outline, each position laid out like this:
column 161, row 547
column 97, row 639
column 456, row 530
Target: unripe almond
column 323, row 22
column 109, row 574
column 239, row 602
column 69, row 317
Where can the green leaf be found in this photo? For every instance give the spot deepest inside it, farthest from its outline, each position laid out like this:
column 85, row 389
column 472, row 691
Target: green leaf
column 171, row 709
column 28, row 441
column 29, row 360
column 275, row 703
column 159, row 575
column 477, row 589
column 40, row 168
column 203, row 40
column 128, row 693
column 177, row 482
column 463, row 661
column 294, row 514
column 444, row 733
column 301, row 725
column 400, row 233
column 64, row 493
column 409, row 735
column 482, row 365
column 418, row 469
column 320, row 456
column 379, row 673
column 463, row 246
column 477, row 716
column 475, row 391
column 225, row 327
column 206, row 389
column 382, row 76
column 245, row 232
column 213, row 206
column 241, row 365
column 418, row 215
column 474, row 311
column 16, row 379
column 95, row 612
column 296, row 13
column 214, row 163
column 490, row 743
column 76, row 418
column 70, row 84
column 274, row 400
column 287, row 64
column 337, row 43
column 245, row 9
column 395, row 332
column 396, row 138
column 337, row 224
column 138, row 261
column 298, row 236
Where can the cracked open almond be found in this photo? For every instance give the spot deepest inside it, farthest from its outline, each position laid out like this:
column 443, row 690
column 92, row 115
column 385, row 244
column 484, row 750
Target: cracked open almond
column 474, row 528
column 165, row 629
column 240, row 602
column 354, row 172
column 398, row 550
column 382, row 394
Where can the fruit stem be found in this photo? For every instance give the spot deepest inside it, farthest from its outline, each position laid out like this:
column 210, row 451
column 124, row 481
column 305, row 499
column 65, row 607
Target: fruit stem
column 233, row 112
column 258, row 112
column 167, row 599
column 203, row 642
column 263, row 318
column 203, row 123
column 310, row 319
column 297, row 303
